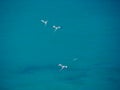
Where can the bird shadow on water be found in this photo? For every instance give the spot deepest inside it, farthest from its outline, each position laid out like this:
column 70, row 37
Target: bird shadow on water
column 36, row 68
column 73, row 76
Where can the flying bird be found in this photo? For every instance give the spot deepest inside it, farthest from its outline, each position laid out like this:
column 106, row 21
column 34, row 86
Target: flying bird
column 75, row 59
column 62, row 66
column 56, row 28
column 44, row 21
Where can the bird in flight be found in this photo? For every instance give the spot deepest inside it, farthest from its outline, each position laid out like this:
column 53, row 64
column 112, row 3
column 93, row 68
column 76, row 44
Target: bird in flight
column 56, row 28
column 75, row 59
column 44, row 21
column 62, row 66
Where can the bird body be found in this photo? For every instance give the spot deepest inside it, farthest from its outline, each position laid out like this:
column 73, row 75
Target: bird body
column 56, row 27
column 44, row 21
column 62, row 66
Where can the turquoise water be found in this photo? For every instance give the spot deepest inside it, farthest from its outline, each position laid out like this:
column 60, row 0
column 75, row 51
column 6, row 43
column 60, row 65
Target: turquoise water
column 30, row 51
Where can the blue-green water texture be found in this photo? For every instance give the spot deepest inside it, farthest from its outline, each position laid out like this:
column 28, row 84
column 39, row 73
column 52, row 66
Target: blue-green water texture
column 88, row 42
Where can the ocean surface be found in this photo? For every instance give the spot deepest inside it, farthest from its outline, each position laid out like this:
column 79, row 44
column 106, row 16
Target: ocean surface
column 88, row 42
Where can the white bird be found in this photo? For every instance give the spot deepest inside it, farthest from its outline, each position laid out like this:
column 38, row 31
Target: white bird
column 62, row 66
column 56, row 27
column 44, row 21
column 75, row 59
